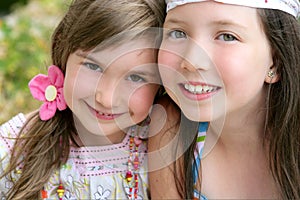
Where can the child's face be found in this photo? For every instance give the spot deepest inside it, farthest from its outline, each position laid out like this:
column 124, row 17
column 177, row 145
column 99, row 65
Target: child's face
column 109, row 90
column 220, row 49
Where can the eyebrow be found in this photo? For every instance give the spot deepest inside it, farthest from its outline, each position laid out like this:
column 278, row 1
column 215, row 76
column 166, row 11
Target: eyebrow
column 86, row 56
column 174, row 21
column 227, row 23
column 214, row 23
column 144, row 72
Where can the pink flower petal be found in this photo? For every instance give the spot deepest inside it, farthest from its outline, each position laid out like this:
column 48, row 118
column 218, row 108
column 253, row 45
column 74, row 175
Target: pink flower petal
column 38, row 85
column 47, row 110
column 56, row 76
column 60, row 100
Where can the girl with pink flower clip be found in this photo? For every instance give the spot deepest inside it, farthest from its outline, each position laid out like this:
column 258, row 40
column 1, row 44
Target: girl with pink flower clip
column 88, row 138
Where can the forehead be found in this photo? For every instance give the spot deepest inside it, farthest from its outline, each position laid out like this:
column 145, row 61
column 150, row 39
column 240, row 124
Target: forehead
column 209, row 12
column 139, row 49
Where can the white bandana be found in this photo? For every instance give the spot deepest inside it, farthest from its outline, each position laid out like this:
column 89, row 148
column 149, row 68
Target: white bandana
column 290, row 6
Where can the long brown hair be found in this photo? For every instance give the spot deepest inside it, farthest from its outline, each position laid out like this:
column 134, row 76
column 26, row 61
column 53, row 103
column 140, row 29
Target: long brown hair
column 283, row 115
column 43, row 146
column 283, row 120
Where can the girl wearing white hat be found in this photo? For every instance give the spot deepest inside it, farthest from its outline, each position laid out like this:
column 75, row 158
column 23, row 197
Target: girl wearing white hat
column 233, row 68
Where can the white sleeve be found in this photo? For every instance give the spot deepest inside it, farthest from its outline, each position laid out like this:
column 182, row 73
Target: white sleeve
column 8, row 131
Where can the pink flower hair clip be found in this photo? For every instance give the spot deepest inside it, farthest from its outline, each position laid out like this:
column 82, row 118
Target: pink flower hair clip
column 49, row 89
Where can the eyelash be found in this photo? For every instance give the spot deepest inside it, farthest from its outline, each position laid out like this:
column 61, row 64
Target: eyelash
column 171, row 33
column 136, row 76
column 223, row 35
column 92, row 66
column 174, row 35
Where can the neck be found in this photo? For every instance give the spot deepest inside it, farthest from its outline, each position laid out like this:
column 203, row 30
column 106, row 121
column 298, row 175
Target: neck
column 85, row 137
column 238, row 131
column 96, row 140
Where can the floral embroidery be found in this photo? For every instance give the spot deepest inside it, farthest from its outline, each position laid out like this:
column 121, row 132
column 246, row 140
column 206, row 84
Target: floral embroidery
column 74, row 186
column 101, row 193
column 49, row 89
column 68, row 196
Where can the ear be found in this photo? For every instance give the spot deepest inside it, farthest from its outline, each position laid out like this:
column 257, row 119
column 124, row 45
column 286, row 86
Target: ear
column 272, row 76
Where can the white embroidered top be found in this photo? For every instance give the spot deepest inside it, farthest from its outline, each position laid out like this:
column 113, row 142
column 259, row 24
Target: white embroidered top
column 90, row 173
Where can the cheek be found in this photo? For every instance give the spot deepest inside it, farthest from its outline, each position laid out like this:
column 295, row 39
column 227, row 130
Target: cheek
column 141, row 100
column 78, row 84
column 168, row 67
column 69, row 88
column 243, row 79
column 241, row 72
column 167, row 59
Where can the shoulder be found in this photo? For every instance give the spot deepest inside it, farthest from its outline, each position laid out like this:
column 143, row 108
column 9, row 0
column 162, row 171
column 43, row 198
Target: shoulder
column 162, row 143
column 12, row 127
column 9, row 131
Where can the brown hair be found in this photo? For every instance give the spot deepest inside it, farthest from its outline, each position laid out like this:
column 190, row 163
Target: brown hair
column 282, row 125
column 44, row 146
column 283, row 115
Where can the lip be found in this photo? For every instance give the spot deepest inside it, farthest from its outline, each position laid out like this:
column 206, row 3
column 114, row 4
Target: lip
column 198, row 96
column 102, row 115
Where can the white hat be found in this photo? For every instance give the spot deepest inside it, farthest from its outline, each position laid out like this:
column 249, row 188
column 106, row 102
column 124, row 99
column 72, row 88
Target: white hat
column 290, row 6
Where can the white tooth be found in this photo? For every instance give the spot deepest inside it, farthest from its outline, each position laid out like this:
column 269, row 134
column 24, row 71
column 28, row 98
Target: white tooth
column 198, row 88
column 191, row 88
column 206, row 88
column 186, row 86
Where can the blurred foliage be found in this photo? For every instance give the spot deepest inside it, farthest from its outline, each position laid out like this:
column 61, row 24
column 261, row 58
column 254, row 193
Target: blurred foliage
column 25, row 36
column 6, row 6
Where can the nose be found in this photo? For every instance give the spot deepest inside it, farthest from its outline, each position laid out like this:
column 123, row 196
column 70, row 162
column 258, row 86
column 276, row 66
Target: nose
column 106, row 94
column 194, row 57
column 186, row 65
column 104, row 99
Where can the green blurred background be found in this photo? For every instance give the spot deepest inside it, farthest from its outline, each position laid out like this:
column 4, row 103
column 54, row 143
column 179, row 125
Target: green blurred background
column 25, row 35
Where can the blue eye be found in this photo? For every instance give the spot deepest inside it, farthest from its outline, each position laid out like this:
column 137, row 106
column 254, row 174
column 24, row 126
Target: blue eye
column 227, row 37
column 135, row 78
column 176, row 34
column 92, row 66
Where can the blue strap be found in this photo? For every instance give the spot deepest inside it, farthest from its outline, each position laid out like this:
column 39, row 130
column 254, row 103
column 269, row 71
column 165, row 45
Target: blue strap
column 202, row 127
column 199, row 195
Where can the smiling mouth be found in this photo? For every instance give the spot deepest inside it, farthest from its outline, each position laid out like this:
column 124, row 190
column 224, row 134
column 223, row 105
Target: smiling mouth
column 104, row 114
column 199, row 88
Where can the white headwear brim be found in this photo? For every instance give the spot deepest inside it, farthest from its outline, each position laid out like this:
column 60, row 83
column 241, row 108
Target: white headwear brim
column 290, row 6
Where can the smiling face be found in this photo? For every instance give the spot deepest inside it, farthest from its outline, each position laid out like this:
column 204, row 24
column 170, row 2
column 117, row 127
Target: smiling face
column 214, row 59
column 112, row 89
